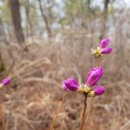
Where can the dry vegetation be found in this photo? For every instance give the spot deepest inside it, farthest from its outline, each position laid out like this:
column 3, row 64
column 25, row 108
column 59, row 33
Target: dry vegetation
column 31, row 100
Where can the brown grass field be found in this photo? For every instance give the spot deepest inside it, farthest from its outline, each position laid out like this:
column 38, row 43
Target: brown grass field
column 31, row 100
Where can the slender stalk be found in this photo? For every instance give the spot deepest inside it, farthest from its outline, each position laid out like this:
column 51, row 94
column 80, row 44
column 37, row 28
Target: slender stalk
column 98, row 61
column 59, row 108
column 4, row 126
column 83, row 113
column 89, row 112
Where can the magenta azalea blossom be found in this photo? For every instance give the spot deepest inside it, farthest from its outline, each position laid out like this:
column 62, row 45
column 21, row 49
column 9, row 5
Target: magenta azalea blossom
column 5, row 81
column 103, row 46
column 99, row 90
column 106, row 50
column 70, row 84
column 88, row 89
column 104, row 43
column 94, row 76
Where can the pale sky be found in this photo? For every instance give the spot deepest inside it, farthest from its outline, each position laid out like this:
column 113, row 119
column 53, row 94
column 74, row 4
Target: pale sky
column 118, row 3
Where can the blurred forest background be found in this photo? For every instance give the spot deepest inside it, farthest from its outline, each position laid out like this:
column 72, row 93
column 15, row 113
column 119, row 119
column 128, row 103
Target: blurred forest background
column 43, row 42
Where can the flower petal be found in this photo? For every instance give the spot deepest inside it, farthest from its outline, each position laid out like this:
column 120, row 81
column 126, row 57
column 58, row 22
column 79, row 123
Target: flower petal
column 99, row 90
column 70, row 84
column 5, row 81
column 93, row 76
column 104, row 43
column 106, row 50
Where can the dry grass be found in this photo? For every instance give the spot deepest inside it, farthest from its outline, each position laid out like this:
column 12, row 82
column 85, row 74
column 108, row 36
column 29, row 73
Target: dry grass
column 30, row 102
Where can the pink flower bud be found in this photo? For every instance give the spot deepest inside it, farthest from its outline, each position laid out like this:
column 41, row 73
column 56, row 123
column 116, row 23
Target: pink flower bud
column 5, row 81
column 93, row 76
column 99, row 90
column 70, row 84
column 106, row 50
column 104, row 43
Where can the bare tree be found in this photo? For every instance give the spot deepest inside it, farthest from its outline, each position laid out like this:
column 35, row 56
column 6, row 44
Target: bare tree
column 106, row 3
column 2, row 31
column 29, row 25
column 16, row 19
column 105, row 14
column 45, row 19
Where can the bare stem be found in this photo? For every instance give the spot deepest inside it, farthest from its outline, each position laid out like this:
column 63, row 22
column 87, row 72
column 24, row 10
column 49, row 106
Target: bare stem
column 98, row 62
column 83, row 114
column 59, row 108
column 89, row 112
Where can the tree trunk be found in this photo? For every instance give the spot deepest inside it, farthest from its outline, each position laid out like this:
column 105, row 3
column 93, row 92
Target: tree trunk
column 105, row 14
column 16, row 19
column 106, row 3
column 2, row 30
column 29, row 27
column 45, row 19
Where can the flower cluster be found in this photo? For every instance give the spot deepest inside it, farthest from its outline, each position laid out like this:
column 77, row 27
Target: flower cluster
column 5, row 82
column 90, row 88
column 102, row 48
